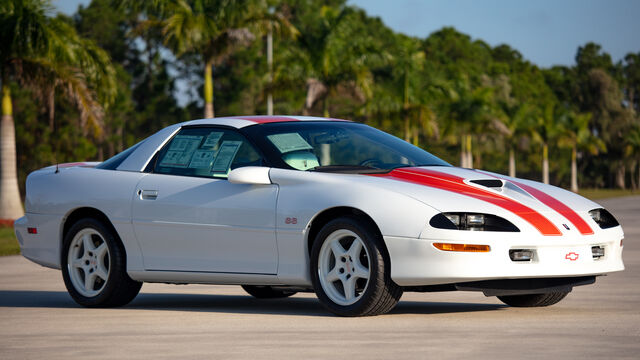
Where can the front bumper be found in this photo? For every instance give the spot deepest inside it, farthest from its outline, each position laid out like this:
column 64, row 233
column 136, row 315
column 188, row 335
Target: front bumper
column 416, row 262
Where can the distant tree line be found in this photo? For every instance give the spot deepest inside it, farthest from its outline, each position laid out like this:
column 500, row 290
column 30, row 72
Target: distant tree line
column 112, row 79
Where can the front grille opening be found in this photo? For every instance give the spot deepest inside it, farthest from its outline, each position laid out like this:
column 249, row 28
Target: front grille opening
column 521, row 255
column 597, row 252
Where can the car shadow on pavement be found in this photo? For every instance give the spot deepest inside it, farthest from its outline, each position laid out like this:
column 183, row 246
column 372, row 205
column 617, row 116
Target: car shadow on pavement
column 239, row 304
column 425, row 307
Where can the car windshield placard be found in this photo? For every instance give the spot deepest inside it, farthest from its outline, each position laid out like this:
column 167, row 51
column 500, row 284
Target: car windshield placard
column 225, row 156
column 212, row 139
column 181, row 150
column 289, row 142
column 202, row 159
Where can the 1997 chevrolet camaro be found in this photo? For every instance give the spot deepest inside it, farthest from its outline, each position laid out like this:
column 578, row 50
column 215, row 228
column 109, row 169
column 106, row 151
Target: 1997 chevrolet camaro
column 286, row 204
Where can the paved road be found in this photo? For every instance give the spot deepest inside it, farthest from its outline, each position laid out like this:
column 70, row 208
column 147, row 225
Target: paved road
column 39, row 320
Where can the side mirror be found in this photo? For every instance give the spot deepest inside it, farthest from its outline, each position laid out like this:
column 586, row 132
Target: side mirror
column 254, row 175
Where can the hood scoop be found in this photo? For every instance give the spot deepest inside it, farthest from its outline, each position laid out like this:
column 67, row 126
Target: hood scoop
column 490, row 183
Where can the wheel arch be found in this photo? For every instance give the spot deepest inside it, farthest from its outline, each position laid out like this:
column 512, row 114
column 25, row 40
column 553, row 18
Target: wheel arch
column 82, row 213
column 323, row 217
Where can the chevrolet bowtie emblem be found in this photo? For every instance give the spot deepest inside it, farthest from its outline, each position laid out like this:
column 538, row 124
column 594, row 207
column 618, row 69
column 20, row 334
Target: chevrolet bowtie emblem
column 572, row 256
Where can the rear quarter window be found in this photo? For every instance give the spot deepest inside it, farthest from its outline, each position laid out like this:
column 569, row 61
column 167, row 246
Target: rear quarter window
column 113, row 162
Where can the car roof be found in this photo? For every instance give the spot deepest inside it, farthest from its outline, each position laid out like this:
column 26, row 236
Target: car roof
column 239, row 122
column 138, row 160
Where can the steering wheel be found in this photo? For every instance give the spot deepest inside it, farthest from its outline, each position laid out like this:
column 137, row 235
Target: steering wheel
column 371, row 163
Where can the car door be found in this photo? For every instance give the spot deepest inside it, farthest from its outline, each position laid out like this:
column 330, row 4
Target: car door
column 188, row 217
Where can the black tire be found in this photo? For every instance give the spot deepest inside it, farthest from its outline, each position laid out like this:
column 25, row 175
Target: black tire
column 119, row 289
column 380, row 293
column 533, row 300
column 266, row 292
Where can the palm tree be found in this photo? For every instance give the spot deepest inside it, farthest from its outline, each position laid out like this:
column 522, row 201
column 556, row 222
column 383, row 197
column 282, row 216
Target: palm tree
column 517, row 122
column 575, row 134
column 545, row 129
column 45, row 54
column 212, row 29
column 408, row 92
column 632, row 148
column 408, row 61
column 470, row 115
column 338, row 48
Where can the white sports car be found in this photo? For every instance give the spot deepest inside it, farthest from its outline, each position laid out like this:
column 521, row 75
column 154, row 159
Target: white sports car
column 286, row 204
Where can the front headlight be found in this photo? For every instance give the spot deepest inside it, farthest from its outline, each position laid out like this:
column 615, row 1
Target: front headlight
column 603, row 218
column 472, row 222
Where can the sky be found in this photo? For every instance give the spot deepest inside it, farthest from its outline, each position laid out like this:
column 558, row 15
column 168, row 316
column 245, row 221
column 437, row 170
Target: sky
column 545, row 32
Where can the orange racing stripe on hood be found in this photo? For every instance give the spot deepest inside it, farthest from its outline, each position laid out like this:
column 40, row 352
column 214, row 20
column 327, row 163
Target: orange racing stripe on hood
column 456, row 184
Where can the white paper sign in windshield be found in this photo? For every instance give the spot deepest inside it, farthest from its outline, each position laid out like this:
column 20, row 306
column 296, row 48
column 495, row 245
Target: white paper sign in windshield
column 289, row 142
column 202, row 159
column 225, row 156
column 212, row 139
column 180, row 152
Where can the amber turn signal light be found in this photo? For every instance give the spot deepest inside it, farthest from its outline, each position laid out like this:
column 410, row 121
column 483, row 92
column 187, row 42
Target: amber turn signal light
column 462, row 247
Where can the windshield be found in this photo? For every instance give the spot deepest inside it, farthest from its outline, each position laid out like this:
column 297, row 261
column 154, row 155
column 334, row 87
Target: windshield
column 338, row 147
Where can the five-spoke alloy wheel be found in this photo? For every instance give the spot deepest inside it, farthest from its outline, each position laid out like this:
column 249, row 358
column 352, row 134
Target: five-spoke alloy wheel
column 94, row 266
column 350, row 269
column 88, row 262
column 343, row 267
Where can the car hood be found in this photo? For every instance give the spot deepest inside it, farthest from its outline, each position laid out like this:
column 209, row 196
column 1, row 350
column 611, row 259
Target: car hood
column 549, row 209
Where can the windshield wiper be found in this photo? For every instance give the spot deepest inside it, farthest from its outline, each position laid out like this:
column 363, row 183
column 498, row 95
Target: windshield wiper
column 349, row 169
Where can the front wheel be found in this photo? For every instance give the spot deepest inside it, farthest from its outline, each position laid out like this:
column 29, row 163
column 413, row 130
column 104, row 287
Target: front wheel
column 533, row 300
column 94, row 266
column 350, row 270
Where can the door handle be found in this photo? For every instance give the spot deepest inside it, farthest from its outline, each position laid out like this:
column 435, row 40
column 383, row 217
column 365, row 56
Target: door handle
column 148, row 194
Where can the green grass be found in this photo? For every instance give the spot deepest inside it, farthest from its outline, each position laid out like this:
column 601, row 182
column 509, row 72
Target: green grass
column 595, row 194
column 8, row 242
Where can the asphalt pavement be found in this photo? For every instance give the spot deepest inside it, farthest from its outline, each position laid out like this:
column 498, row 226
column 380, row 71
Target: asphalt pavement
column 38, row 319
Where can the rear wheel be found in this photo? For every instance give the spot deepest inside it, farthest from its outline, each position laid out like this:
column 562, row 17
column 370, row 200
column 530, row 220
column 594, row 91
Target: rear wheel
column 266, row 292
column 533, row 300
column 350, row 270
column 94, row 266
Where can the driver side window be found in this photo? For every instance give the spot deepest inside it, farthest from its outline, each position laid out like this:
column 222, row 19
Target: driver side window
column 206, row 152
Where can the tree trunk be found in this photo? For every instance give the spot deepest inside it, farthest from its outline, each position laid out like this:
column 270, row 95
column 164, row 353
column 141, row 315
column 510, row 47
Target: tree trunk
column 416, row 137
column 325, row 106
column 469, row 153
column 270, row 68
column 574, row 169
column 463, row 152
column 10, row 202
column 208, row 90
column 545, row 163
column 620, row 173
column 51, row 99
column 632, row 171
column 512, row 162
column 405, row 108
column 407, row 125
column 316, row 90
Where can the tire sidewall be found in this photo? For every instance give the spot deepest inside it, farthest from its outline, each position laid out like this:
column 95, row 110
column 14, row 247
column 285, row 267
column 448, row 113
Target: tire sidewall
column 114, row 253
column 374, row 250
